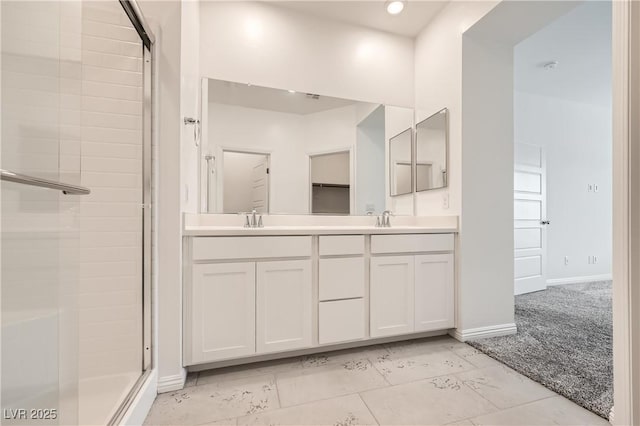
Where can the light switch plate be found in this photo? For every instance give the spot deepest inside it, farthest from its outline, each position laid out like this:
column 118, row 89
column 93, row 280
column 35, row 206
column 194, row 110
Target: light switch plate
column 445, row 201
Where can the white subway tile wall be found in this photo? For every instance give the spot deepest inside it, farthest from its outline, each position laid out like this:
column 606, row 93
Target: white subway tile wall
column 111, row 217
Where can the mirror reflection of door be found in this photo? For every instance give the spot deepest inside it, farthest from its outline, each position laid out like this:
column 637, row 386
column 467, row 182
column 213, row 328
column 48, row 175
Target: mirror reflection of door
column 246, row 182
column 330, row 183
column 400, row 165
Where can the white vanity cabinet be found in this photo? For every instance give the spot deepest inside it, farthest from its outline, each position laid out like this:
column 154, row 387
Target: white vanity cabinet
column 434, row 292
column 392, row 295
column 411, row 292
column 222, row 311
column 283, row 305
column 341, row 288
column 255, row 297
column 242, row 300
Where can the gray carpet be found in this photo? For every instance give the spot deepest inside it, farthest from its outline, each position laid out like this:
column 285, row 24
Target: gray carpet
column 564, row 342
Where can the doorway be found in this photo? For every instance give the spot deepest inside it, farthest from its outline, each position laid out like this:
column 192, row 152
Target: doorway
column 330, row 183
column 545, row 100
column 245, row 182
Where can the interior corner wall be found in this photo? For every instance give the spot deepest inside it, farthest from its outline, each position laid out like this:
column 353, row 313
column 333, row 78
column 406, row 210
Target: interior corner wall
column 272, row 46
column 577, row 141
column 486, row 245
column 164, row 18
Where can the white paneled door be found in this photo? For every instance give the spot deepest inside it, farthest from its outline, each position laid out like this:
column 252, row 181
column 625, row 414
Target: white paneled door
column 260, row 185
column 530, row 221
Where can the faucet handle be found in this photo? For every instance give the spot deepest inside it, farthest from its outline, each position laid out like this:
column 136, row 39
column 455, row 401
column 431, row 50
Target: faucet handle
column 260, row 225
column 378, row 223
column 247, row 221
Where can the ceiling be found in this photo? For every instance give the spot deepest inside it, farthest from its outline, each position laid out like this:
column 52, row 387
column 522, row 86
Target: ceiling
column 371, row 13
column 580, row 42
column 244, row 95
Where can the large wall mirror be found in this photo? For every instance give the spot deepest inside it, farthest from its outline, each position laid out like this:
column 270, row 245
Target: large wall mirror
column 431, row 151
column 285, row 152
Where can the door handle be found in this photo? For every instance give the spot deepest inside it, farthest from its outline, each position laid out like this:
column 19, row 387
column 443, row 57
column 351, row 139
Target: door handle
column 545, row 222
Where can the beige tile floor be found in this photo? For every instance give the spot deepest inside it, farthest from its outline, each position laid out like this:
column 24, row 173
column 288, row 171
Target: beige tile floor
column 433, row 381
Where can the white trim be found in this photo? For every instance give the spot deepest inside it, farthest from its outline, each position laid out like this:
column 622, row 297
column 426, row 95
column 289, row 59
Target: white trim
column 484, row 332
column 576, row 280
column 626, row 211
column 141, row 405
column 172, row 383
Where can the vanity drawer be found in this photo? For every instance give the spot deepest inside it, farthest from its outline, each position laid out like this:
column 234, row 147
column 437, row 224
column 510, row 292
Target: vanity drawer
column 411, row 243
column 336, row 245
column 341, row 321
column 341, row 278
column 219, row 248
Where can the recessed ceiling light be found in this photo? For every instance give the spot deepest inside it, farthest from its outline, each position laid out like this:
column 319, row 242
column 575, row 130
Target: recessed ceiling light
column 394, row 7
column 291, row 91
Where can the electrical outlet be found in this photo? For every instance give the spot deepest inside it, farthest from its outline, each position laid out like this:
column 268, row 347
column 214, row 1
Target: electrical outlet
column 445, row 201
column 566, row 260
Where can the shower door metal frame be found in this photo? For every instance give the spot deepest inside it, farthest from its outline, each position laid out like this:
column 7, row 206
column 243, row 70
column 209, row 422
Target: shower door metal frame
column 147, row 38
column 132, row 10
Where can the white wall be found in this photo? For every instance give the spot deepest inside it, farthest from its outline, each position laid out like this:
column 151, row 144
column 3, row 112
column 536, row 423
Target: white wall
column 577, row 141
column 276, row 47
column 189, row 101
column 331, row 168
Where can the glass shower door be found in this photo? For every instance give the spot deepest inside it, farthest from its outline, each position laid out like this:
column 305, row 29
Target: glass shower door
column 75, row 306
column 40, row 232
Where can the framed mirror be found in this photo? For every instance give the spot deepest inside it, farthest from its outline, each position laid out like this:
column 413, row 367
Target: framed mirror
column 432, row 146
column 286, row 152
column 400, row 163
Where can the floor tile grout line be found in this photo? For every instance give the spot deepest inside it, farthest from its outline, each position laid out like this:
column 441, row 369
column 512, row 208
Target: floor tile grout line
column 369, row 409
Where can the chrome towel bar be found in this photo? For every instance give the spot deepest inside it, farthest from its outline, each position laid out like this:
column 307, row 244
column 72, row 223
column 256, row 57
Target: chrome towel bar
column 10, row 176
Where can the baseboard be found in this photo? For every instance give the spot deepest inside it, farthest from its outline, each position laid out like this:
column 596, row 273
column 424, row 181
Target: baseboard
column 140, row 406
column 577, row 280
column 172, row 383
column 483, row 332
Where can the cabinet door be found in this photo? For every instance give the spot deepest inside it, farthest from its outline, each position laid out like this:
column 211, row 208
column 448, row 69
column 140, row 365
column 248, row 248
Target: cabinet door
column 391, row 292
column 283, row 305
column 434, row 292
column 222, row 311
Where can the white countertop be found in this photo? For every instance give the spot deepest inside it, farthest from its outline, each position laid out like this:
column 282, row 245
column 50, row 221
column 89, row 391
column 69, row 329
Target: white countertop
column 229, row 225
column 193, row 231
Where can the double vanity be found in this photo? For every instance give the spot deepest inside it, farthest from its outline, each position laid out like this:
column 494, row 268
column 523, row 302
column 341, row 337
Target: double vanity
column 308, row 284
column 315, row 266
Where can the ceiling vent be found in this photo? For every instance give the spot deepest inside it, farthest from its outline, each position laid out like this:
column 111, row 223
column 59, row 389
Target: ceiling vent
column 313, row 96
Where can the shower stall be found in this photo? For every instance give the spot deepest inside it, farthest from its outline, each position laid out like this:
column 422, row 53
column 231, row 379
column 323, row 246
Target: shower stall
column 75, row 202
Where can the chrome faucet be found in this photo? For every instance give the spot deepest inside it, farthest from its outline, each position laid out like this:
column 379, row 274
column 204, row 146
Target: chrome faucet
column 253, row 220
column 384, row 221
